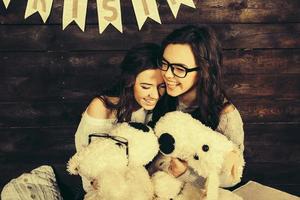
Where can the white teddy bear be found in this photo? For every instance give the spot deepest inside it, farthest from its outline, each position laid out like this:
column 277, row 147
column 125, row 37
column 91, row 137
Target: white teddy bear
column 114, row 163
column 186, row 138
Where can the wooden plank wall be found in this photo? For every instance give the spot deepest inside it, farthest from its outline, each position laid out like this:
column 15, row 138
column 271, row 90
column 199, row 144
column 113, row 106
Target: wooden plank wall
column 48, row 76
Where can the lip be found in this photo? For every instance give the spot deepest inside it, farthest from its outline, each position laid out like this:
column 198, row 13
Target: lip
column 150, row 102
column 172, row 84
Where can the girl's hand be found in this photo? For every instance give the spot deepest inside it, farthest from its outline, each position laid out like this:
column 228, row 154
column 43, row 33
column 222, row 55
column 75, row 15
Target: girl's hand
column 177, row 167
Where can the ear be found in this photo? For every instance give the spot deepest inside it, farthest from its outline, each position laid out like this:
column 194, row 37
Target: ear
column 166, row 143
column 139, row 126
column 72, row 165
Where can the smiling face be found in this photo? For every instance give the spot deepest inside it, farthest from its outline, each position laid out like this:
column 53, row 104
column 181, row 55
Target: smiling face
column 148, row 87
column 180, row 54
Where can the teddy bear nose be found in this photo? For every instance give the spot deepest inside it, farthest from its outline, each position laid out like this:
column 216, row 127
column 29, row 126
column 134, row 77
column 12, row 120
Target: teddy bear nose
column 196, row 157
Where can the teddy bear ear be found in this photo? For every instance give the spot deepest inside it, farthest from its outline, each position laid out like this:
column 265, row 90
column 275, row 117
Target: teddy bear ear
column 166, row 143
column 139, row 126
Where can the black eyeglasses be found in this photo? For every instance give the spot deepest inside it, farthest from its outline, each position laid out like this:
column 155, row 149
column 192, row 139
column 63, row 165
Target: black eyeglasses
column 178, row 69
column 120, row 141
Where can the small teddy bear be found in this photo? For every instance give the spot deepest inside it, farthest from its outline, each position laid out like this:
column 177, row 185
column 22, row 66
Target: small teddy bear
column 181, row 136
column 114, row 163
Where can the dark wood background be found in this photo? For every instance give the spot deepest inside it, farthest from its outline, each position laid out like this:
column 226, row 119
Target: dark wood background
column 48, row 76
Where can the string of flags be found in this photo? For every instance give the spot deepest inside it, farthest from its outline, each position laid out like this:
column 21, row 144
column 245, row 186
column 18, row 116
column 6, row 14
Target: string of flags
column 109, row 11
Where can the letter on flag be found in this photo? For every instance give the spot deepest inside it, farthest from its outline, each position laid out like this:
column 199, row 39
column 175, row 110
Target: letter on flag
column 74, row 10
column 109, row 12
column 41, row 6
column 144, row 9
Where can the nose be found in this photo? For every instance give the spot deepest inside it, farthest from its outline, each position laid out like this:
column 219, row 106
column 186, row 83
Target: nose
column 168, row 73
column 154, row 93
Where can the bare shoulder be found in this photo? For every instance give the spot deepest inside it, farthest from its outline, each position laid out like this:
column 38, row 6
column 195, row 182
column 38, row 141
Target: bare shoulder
column 97, row 109
column 228, row 108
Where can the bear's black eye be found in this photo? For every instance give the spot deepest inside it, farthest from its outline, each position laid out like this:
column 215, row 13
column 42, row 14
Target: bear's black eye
column 196, row 157
column 205, row 148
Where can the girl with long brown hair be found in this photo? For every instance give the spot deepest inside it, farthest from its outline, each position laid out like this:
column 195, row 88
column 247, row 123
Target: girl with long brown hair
column 139, row 88
column 191, row 62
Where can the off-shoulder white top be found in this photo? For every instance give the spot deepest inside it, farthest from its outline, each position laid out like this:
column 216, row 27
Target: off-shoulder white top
column 89, row 125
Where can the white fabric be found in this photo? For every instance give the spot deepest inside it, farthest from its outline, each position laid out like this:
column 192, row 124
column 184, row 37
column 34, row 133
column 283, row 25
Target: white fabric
column 231, row 125
column 253, row 190
column 39, row 184
column 89, row 125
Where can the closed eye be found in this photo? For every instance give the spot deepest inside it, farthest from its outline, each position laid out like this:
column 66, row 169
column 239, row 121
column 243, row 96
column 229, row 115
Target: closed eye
column 146, row 88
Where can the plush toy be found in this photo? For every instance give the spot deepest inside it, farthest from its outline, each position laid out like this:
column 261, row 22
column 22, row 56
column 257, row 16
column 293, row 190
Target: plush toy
column 186, row 138
column 114, row 163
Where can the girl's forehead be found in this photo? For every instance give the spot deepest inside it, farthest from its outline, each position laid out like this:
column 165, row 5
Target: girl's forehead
column 179, row 53
column 149, row 75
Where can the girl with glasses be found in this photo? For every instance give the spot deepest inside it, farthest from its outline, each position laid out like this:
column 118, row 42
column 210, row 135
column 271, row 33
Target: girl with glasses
column 140, row 87
column 190, row 64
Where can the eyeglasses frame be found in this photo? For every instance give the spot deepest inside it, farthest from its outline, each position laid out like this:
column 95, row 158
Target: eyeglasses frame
column 187, row 70
column 113, row 137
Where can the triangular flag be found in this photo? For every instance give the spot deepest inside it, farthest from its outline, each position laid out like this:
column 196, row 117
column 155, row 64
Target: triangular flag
column 144, row 9
column 109, row 12
column 41, row 6
column 74, row 10
column 175, row 5
column 6, row 3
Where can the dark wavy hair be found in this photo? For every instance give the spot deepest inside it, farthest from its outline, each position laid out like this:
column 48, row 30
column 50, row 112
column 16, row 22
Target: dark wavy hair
column 138, row 59
column 208, row 54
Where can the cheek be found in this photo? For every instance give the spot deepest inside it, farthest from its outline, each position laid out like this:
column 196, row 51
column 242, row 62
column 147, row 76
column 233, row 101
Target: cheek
column 136, row 93
column 163, row 75
column 139, row 93
column 190, row 81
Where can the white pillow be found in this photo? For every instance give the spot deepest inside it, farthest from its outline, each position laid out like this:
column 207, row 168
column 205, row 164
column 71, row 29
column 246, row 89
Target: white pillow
column 39, row 184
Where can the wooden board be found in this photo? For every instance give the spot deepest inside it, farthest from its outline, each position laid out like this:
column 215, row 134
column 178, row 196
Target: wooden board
column 52, row 38
column 208, row 11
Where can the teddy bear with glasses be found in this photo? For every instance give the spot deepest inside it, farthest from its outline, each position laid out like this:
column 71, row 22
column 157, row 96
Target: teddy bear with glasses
column 114, row 163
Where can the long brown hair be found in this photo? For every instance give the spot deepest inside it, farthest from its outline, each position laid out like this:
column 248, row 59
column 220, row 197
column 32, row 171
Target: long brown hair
column 208, row 55
column 139, row 58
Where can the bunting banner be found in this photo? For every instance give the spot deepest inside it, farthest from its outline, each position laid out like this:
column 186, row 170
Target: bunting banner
column 6, row 3
column 41, row 6
column 74, row 10
column 144, row 9
column 175, row 5
column 109, row 12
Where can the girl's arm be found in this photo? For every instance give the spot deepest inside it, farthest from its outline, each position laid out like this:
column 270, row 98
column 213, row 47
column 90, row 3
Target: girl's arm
column 231, row 125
